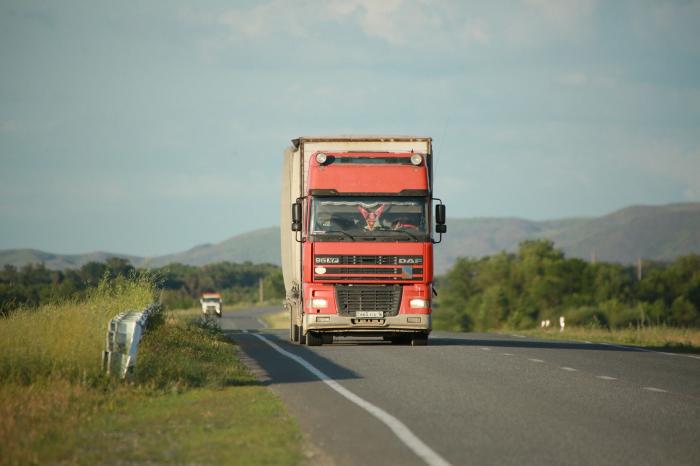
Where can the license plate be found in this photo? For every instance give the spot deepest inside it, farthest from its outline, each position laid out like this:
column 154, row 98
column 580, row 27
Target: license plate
column 369, row 314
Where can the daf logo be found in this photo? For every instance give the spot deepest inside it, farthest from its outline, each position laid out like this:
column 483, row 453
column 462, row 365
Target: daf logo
column 328, row 260
column 410, row 260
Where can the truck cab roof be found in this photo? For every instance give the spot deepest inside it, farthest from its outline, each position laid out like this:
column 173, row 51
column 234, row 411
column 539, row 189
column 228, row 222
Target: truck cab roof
column 356, row 138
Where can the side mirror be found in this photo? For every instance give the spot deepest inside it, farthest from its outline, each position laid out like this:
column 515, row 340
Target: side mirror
column 296, row 216
column 440, row 214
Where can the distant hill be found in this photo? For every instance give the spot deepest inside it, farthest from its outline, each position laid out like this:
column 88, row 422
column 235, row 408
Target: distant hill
column 20, row 257
column 256, row 246
column 652, row 232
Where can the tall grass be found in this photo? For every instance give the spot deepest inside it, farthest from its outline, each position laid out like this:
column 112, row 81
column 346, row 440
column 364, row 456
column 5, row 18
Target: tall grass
column 66, row 340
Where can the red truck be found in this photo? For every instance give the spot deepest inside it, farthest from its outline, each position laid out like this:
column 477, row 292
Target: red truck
column 357, row 237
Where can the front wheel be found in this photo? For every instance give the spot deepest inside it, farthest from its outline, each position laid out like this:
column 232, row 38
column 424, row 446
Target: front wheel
column 313, row 339
column 419, row 339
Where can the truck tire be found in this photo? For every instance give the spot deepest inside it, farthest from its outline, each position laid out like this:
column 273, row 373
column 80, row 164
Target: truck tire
column 296, row 333
column 419, row 339
column 313, row 339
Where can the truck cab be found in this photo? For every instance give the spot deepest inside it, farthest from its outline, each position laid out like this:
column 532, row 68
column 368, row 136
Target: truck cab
column 358, row 246
column 211, row 304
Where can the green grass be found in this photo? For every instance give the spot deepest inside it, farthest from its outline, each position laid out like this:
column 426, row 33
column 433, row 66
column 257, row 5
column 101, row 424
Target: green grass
column 656, row 337
column 278, row 320
column 190, row 400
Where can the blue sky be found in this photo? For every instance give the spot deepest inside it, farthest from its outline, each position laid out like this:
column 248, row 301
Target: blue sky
column 150, row 127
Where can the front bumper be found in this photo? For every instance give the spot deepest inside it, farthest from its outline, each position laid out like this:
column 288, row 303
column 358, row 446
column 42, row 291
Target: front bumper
column 334, row 323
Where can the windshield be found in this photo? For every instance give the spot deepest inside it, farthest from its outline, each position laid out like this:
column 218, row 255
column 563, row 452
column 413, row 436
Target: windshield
column 377, row 218
column 211, row 300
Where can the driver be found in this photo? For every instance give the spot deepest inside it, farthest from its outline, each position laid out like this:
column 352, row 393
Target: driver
column 405, row 222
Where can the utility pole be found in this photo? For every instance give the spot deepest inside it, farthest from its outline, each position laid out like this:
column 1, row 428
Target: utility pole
column 261, row 296
column 639, row 269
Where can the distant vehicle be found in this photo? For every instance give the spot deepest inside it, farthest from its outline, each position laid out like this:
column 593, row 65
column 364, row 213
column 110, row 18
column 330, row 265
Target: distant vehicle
column 211, row 303
column 357, row 242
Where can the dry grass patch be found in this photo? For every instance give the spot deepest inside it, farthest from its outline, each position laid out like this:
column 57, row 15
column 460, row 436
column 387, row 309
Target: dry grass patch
column 277, row 320
column 190, row 401
column 660, row 337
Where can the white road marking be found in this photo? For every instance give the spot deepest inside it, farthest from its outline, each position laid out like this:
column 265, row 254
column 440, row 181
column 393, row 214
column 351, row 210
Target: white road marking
column 517, row 336
column 570, row 369
column 485, row 349
column 535, row 360
column 262, row 322
column 605, row 377
column 644, row 350
column 654, row 389
column 506, row 354
column 400, row 430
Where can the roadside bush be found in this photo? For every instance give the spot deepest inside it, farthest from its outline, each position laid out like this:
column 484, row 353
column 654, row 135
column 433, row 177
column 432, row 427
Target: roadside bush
column 587, row 316
column 187, row 352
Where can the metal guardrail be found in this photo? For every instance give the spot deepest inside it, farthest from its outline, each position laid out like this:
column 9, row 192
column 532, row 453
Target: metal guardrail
column 123, row 336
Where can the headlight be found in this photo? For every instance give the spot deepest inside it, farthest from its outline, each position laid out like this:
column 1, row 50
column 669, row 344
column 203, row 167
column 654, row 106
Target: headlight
column 419, row 303
column 321, row 158
column 416, row 159
column 319, row 302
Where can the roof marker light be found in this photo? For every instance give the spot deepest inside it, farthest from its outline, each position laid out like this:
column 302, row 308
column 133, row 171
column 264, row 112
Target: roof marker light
column 321, row 158
column 416, row 159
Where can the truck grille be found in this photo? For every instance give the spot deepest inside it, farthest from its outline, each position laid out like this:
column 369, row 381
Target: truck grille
column 368, row 260
column 368, row 268
column 352, row 298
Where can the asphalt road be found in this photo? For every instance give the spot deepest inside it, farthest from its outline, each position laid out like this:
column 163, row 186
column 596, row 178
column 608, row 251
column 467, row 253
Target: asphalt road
column 481, row 398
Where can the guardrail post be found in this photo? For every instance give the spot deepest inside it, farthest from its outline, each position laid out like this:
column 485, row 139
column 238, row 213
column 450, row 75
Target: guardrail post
column 124, row 333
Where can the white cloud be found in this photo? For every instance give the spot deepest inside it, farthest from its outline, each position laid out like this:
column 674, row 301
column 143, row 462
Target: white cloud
column 476, row 31
column 8, row 126
column 667, row 161
column 575, row 79
column 414, row 23
column 563, row 14
column 274, row 17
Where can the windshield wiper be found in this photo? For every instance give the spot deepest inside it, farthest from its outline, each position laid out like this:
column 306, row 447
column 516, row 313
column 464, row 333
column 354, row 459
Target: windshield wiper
column 339, row 231
column 410, row 235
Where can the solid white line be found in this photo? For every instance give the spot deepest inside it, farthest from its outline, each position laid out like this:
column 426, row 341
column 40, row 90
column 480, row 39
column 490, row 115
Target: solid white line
column 485, row 349
column 535, row 360
column 570, row 369
column 400, row 430
column 262, row 322
column 644, row 350
column 506, row 354
column 654, row 389
column 517, row 336
column 605, row 377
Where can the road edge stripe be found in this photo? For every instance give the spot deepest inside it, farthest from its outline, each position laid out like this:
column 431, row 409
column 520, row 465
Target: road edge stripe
column 404, row 434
